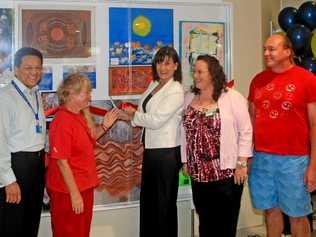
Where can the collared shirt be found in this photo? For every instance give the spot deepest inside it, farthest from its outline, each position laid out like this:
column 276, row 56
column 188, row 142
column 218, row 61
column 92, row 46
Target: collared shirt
column 18, row 126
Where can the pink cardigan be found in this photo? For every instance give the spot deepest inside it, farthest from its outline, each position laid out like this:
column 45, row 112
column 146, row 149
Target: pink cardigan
column 236, row 128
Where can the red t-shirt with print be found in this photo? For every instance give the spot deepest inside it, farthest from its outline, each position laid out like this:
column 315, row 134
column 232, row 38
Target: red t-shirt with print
column 70, row 139
column 281, row 123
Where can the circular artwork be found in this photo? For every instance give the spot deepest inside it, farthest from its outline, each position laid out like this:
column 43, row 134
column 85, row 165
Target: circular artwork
column 56, row 35
column 141, row 26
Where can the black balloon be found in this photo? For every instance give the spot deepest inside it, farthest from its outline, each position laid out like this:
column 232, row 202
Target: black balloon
column 300, row 37
column 297, row 60
column 306, row 14
column 287, row 17
column 310, row 64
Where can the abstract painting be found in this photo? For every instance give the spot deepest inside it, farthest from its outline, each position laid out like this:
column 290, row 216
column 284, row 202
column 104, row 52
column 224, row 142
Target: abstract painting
column 129, row 80
column 46, row 82
column 88, row 70
column 135, row 34
column 57, row 33
column 119, row 155
column 198, row 38
column 49, row 99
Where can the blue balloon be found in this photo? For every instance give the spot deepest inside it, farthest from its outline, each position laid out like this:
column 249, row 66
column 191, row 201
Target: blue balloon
column 306, row 14
column 287, row 17
column 300, row 36
column 309, row 63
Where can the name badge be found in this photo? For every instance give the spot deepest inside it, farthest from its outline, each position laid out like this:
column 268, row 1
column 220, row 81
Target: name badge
column 211, row 112
column 38, row 128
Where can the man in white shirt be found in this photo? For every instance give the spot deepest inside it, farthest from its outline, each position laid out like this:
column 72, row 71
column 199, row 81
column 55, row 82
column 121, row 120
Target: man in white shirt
column 22, row 137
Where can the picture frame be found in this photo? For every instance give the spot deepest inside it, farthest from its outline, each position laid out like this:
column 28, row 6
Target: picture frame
column 129, row 80
column 57, row 33
column 49, row 100
column 197, row 38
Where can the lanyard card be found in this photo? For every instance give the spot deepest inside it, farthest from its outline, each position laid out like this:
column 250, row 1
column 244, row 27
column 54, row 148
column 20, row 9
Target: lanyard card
column 38, row 127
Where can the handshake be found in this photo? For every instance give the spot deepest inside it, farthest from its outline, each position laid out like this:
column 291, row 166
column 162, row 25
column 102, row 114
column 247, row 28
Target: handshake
column 124, row 112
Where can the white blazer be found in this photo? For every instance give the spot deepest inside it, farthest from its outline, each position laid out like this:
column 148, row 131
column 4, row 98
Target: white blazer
column 163, row 115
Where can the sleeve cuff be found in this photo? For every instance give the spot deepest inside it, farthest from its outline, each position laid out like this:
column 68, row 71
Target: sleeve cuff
column 7, row 178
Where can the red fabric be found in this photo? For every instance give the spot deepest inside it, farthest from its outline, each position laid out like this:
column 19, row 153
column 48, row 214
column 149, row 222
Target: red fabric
column 281, row 124
column 95, row 110
column 65, row 223
column 70, row 139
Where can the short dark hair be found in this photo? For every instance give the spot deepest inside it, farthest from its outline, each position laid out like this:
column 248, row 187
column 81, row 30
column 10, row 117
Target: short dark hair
column 160, row 56
column 26, row 51
column 217, row 73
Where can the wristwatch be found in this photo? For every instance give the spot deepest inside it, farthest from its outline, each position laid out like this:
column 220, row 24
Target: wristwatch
column 242, row 164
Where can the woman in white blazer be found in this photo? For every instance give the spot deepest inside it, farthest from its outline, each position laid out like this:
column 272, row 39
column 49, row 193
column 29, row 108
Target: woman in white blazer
column 159, row 113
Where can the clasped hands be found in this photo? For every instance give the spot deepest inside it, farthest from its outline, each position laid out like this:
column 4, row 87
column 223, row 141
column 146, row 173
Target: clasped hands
column 125, row 114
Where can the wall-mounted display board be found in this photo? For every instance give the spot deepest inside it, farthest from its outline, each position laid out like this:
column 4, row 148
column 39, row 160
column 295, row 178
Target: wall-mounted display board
column 113, row 43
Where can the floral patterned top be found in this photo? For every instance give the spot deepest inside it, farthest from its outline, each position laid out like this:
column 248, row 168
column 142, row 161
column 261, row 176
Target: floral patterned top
column 202, row 131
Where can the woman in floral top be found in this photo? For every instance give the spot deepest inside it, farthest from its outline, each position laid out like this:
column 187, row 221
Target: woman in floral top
column 216, row 143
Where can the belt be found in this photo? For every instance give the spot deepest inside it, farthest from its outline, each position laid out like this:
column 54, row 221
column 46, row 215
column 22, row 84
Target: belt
column 32, row 153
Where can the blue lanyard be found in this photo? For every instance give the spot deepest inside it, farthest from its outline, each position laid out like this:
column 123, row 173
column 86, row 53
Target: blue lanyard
column 27, row 101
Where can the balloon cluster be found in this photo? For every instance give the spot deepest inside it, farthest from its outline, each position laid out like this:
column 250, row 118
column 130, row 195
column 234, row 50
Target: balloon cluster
column 300, row 27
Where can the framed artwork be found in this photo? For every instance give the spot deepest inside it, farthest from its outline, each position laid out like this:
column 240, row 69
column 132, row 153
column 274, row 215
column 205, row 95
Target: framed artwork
column 57, row 33
column 6, row 40
column 49, row 99
column 129, row 80
column 88, row 70
column 135, row 34
column 119, row 155
column 198, row 38
column 46, row 84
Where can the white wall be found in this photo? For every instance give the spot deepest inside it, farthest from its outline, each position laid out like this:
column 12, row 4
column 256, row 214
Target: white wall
column 292, row 3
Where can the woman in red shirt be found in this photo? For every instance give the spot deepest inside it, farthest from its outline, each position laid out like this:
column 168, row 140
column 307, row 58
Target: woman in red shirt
column 71, row 174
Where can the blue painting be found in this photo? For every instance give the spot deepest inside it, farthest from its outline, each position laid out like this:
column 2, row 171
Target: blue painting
column 88, row 70
column 135, row 34
column 46, row 84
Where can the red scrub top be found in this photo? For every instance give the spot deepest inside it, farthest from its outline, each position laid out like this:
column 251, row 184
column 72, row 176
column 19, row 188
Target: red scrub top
column 70, row 139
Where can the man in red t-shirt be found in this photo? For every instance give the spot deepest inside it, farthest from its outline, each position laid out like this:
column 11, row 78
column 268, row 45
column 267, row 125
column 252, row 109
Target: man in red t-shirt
column 283, row 110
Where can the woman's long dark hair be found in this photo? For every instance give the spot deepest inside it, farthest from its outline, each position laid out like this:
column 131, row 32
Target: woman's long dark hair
column 160, row 56
column 217, row 74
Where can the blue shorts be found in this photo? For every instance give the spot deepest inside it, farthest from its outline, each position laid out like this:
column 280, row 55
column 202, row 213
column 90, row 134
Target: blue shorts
column 278, row 181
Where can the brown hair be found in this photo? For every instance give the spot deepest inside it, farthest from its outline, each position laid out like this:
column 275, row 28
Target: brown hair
column 217, row 74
